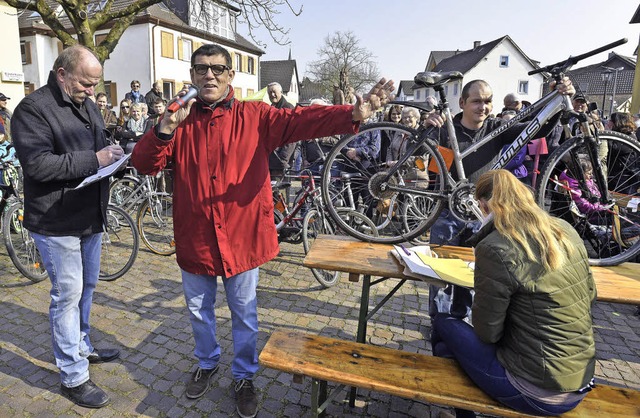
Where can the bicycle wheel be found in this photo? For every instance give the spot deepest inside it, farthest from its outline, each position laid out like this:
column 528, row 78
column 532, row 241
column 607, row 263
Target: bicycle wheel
column 121, row 193
column 611, row 235
column 362, row 186
column 316, row 223
column 120, row 244
column 155, row 223
column 20, row 245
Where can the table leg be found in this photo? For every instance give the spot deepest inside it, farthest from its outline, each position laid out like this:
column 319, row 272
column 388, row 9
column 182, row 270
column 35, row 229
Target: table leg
column 361, row 337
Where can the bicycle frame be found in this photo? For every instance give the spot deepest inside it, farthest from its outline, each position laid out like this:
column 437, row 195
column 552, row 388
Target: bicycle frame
column 309, row 191
column 546, row 108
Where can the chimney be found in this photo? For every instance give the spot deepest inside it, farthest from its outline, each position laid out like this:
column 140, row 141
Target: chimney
column 476, row 44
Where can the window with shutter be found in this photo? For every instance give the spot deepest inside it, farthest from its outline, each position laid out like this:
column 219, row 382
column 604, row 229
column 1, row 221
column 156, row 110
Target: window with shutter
column 250, row 66
column 25, row 50
column 167, row 44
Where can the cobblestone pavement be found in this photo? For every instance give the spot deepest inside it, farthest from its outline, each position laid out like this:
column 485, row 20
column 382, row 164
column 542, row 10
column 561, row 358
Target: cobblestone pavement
column 144, row 315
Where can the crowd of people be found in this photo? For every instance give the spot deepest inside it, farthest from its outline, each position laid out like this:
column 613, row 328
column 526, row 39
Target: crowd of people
column 224, row 152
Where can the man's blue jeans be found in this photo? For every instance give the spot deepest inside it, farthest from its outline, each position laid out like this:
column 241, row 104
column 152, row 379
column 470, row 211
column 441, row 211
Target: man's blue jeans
column 454, row 338
column 200, row 295
column 73, row 265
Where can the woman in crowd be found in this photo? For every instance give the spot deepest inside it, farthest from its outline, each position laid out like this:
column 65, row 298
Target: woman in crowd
column 393, row 115
column 133, row 129
column 531, row 345
column 399, row 143
column 622, row 122
column 109, row 116
column 125, row 113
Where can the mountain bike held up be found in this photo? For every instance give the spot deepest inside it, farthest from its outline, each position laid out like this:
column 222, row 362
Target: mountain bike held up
column 403, row 206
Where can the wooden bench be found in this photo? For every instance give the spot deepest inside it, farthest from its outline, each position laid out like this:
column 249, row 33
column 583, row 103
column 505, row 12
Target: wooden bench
column 408, row 375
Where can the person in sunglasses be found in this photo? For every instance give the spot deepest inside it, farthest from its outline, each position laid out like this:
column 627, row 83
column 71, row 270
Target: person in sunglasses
column 135, row 96
column 125, row 113
column 223, row 210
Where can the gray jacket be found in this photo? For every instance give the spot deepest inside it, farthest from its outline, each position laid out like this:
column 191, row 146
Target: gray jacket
column 56, row 144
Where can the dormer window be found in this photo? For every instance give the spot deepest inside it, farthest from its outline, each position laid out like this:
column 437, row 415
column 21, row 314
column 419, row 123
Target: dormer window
column 212, row 18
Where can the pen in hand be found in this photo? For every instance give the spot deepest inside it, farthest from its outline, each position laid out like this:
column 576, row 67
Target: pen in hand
column 405, row 249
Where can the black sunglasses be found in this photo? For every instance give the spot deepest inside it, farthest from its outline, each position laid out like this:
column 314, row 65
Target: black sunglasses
column 216, row 69
column 124, row 107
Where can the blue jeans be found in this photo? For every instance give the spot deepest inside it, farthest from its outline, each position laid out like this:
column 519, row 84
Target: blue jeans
column 200, row 295
column 454, row 338
column 448, row 230
column 73, row 265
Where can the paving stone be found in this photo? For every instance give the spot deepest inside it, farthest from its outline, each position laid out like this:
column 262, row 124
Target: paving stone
column 143, row 314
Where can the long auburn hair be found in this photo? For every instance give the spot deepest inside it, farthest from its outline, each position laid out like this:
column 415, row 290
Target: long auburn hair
column 517, row 216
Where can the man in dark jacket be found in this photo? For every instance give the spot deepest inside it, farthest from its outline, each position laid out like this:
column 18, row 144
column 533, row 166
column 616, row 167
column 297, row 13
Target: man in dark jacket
column 59, row 136
column 152, row 95
column 471, row 125
column 280, row 159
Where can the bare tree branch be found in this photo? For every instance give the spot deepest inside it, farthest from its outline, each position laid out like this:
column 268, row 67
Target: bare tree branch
column 257, row 13
column 343, row 62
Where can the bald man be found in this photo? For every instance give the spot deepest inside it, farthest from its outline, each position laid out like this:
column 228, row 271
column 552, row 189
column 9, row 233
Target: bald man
column 60, row 137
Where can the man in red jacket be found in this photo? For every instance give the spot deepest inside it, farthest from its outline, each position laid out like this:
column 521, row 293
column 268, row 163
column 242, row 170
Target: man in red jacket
column 223, row 210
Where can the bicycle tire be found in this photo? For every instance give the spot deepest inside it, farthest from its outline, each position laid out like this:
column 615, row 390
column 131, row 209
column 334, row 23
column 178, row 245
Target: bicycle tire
column 314, row 224
column 610, row 238
column 20, row 245
column 378, row 200
column 120, row 244
column 155, row 224
column 121, row 190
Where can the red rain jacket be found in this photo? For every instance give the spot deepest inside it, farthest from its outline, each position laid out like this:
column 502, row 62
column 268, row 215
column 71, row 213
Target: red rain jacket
column 223, row 207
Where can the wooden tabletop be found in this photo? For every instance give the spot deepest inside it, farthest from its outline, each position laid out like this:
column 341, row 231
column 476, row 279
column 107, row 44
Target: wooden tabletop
column 619, row 284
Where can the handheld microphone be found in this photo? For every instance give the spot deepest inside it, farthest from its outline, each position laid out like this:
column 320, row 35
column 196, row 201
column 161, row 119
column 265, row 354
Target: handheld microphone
column 182, row 101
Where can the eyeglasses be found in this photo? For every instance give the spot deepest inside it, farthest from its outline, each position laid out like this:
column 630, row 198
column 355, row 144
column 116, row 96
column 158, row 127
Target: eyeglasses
column 216, row 69
column 135, row 85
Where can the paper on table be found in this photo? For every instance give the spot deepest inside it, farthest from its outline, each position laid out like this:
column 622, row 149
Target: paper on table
column 451, row 270
column 420, row 264
column 104, row 172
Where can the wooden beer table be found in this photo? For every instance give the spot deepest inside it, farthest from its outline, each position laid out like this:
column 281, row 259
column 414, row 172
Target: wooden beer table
column 617, row 284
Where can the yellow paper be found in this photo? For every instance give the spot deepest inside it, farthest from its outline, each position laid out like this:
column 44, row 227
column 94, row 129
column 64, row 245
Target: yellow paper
column 450, row 270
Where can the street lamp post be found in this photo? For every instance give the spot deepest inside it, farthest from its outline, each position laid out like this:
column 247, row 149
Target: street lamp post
column 615, row 84
column 606, row 77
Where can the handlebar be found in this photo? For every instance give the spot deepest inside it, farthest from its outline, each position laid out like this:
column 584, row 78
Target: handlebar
column 565, row 65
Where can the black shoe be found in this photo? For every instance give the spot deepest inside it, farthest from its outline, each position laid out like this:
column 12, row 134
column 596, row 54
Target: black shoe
column 87, row 395
column 103, row 356
column 246, row 399
column 199, row 383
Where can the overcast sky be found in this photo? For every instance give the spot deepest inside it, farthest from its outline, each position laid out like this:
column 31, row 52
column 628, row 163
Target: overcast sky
column 402, row 33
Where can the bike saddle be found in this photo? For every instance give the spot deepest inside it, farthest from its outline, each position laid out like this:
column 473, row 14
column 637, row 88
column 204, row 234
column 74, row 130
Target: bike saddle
column 430, row 79
column 347, row 176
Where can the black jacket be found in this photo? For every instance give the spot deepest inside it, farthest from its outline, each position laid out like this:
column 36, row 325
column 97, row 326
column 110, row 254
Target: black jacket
column 57, row 144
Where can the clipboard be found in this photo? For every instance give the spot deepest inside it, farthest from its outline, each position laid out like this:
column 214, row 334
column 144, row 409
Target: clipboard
column 104, row 172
